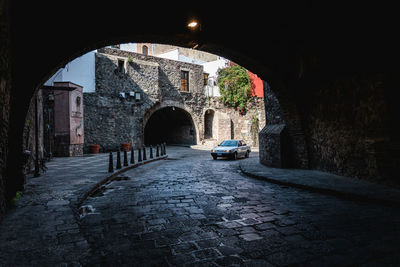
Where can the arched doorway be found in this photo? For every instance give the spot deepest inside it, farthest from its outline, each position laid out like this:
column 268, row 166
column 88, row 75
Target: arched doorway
column 172, row 125
column 208, row 124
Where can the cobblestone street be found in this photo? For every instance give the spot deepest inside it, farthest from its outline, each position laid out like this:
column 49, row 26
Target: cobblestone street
column 192, row 210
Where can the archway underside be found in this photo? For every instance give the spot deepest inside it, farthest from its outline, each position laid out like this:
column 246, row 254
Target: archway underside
column 171, row 125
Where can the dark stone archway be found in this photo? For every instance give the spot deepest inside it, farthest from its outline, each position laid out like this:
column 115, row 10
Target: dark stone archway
column 172, row 125
column 334, row 82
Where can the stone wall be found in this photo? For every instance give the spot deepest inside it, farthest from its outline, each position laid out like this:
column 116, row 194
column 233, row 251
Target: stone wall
column 342, row 126
column 29, row 136
column 347, row 128
column 111, row 120
column 229, row 123
column 5, row 89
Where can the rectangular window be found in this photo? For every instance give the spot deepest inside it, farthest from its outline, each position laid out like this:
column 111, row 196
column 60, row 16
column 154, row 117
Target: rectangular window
column 184, row 81
column 205, row 79
column 121, row 64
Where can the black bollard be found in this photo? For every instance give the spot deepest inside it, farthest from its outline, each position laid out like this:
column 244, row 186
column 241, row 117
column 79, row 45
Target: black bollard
column 144, row 153
column 110, row 163
column 118, row 160
column 157, row 152
column 132, row 155
column 125, row 158
column 161, row 149
column 165, row 148
column 139, row 155
column 151, row 152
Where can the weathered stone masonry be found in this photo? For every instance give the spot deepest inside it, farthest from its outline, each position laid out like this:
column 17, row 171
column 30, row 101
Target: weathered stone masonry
column 5, row 90
column 111, row 119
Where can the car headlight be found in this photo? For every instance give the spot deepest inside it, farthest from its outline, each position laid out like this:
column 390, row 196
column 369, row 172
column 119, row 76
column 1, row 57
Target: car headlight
column 213, row 150
column 227, row 151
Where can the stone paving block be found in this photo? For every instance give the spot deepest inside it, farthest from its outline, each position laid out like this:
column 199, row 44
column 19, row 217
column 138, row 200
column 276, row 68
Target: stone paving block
column 156, row 221
column 284, row 222
column 229, row 261
column 208, row 243
column 197, row 216
column 57, row 202
column 185, row 247
column 246, row 229
column 248, row 222
column 181, row 259
column 208, row 253
column 229, row 250
column 264, row 226
column 249, row 215
column 229, row 224
column 251, row 236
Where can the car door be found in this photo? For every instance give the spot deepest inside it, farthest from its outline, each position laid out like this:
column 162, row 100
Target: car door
column 240, row 149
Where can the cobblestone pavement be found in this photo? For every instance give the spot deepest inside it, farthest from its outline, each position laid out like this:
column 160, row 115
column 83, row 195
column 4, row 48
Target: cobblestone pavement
column 192, row 210
column 189, row 210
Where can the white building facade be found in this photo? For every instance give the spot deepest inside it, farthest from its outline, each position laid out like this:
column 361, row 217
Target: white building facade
column 81, row 70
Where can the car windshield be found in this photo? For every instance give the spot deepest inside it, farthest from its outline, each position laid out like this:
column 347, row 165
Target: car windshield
column 229, row 143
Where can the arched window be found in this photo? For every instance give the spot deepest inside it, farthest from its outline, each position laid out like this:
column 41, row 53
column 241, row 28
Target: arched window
column 145, row 50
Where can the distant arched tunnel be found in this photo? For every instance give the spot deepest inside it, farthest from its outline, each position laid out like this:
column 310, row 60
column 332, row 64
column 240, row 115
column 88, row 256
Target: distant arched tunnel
column 171, row 125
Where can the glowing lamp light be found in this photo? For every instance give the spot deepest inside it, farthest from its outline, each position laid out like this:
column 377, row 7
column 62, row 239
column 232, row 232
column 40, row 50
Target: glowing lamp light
column 192, row 24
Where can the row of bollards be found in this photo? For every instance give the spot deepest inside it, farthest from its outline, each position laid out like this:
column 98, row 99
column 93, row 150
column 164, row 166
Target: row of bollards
column 160, row 151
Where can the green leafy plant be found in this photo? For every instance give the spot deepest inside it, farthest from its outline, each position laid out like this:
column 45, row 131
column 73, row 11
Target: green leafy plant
column 15, row 199
column 234, row 86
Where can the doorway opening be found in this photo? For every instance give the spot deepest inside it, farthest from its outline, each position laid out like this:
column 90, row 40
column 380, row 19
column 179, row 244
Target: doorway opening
column 208, row 124
column 172, row 125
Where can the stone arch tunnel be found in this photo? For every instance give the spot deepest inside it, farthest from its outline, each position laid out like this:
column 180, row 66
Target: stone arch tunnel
column 336, row 88
column 172, row 125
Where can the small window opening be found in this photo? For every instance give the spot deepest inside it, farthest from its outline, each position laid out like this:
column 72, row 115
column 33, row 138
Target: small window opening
column 185, row 81
column 145, row 50
column 121, row 65
column 205, row 79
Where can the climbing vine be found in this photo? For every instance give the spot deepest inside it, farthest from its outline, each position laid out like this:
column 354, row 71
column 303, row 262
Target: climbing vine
column 234, row 86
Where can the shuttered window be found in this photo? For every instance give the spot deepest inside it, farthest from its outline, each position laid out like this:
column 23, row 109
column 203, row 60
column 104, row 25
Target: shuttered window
column 184, row 81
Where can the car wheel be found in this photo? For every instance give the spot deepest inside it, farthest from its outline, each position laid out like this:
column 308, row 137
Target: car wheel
column 214, row 157
column 234, row 156
column 247, row 154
